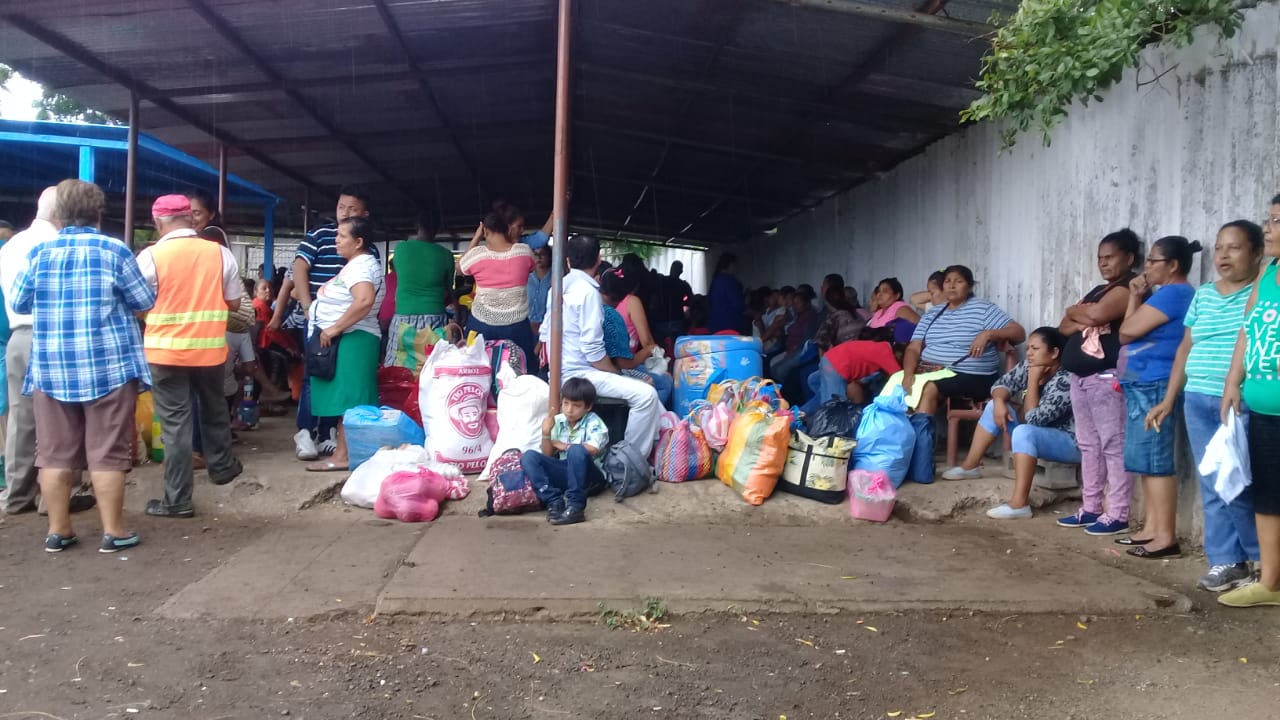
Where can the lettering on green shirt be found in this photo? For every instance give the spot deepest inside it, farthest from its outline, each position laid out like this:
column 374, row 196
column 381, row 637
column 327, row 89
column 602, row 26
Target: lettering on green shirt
column 1262, row 351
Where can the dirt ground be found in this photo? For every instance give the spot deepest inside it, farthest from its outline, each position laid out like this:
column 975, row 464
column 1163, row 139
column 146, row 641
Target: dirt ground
column 80, row 638
column 79, row 641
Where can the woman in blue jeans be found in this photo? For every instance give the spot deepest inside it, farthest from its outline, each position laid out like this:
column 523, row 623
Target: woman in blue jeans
column 1151, row 333
column 1033, row 403
column 1213, row 323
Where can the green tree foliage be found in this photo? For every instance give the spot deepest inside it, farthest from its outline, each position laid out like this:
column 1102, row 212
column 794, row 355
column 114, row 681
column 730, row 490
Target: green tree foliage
column 55, row 106
column 1052, row 53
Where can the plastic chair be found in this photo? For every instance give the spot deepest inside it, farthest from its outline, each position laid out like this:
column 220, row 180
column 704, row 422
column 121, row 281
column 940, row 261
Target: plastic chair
column 956, row 415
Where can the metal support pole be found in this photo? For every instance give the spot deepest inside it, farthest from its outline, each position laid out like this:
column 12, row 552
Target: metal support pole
column 560, row 204
column 269, row 242
column 222, row 180
column 306, row 210
column 131, row 172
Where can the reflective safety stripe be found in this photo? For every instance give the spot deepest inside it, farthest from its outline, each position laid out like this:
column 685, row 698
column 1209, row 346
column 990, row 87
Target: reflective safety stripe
column 183, row 343
column 183, row 318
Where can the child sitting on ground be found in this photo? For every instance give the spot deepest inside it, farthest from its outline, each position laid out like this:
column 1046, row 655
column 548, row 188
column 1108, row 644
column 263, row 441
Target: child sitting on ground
column 566, row 471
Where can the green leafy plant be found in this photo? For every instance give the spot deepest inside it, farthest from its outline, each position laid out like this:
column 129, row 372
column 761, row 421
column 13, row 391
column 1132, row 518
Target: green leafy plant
column 1052, row 53
column 649, row 617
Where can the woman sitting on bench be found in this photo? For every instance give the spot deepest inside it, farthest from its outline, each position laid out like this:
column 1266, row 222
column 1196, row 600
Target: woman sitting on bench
column 1033, row 403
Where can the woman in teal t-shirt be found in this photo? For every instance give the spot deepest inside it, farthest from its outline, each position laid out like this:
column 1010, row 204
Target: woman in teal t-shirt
column 1151, row 333
column 1213, row 323
column 1256, row 367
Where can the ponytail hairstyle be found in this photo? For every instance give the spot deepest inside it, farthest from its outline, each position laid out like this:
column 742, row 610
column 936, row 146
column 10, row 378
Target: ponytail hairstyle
column 502, row 217
column 1052, row 337
column 1128, row 242
column 1179, row 250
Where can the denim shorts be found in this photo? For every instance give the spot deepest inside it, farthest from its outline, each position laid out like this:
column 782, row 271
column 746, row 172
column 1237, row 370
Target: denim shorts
column 1147, row 452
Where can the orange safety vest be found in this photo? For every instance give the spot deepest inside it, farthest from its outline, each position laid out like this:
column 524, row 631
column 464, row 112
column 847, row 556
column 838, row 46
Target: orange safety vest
column 188, row 325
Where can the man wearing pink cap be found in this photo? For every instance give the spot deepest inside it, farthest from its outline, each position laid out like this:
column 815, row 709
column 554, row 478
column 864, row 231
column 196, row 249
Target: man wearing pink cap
column 196, row 283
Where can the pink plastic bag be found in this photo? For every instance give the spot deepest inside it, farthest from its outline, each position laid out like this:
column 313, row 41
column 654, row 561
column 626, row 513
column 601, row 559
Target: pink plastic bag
column 871, row 495
column 416, row 495
column 715, row 419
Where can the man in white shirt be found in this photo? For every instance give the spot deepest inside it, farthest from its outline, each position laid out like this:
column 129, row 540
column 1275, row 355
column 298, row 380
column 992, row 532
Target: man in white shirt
column 22, row 492
column 582, row 346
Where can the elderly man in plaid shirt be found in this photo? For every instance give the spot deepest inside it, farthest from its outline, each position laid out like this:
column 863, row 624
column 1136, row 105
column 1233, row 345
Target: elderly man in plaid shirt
column 87, row 366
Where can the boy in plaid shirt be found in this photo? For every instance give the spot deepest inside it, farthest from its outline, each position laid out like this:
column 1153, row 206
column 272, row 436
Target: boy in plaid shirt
column 567, row 469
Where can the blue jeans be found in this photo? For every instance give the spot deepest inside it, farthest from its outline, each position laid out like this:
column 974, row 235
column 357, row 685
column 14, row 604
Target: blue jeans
column 1043, row 443
column 573, row 478
column 1230, row 535
column 825, row 384
column 520, row 333
column 663, row 384
column 1148, row 452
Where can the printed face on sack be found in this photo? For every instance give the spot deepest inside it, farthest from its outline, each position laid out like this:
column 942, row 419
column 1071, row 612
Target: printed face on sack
column 466, row 410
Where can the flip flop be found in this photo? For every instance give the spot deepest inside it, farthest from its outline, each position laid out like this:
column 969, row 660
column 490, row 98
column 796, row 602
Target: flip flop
column 328, row 467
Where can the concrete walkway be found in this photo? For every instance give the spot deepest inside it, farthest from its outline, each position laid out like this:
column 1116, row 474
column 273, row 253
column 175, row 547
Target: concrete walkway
column 697, row 546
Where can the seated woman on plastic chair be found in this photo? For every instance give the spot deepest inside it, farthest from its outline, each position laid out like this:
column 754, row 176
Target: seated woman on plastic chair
column 959, row 340
column 1033, row 403
column 955, row 344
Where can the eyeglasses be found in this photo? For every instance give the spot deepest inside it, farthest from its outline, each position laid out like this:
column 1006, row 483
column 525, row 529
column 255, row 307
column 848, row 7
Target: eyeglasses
column 1273, row 221
column 1154, row 260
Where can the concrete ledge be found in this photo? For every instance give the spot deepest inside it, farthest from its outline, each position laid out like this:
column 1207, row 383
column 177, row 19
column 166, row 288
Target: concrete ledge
column 532, row 571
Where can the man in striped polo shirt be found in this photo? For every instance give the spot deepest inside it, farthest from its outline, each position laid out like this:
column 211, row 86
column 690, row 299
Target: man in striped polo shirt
column 317, row 262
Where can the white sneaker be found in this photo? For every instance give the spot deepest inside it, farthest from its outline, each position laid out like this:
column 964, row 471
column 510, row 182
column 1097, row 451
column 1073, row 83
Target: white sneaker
column 959, row 473
column 330, row 445
column 1004, row 512
column 305, row 447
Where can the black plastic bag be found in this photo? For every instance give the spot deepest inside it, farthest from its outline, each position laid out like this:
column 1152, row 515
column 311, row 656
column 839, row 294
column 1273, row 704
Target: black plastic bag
column 836, row 417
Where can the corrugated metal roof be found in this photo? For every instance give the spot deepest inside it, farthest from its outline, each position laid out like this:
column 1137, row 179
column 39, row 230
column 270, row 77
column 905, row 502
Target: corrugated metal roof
column 702, row 119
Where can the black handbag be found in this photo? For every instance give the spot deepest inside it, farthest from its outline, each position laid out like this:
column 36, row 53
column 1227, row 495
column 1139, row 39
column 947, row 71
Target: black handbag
column 322, row 362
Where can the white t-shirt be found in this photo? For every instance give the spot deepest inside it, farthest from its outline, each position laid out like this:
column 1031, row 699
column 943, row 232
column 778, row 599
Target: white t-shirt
column 334, row 297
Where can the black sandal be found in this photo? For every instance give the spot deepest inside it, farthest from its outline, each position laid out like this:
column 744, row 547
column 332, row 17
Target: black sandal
column 1173, row 551
column 1132, row 541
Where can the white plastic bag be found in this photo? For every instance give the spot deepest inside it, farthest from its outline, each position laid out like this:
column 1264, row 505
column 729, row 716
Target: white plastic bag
column 1228, row 455
column 361, row 488
column 522, row 407
column 453, row 394
column 657, row 362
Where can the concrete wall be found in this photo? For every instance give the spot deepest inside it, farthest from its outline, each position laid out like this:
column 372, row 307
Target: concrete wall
column 1179, row 155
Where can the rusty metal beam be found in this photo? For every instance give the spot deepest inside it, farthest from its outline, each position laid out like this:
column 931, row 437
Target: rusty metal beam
column 859, row 72
column 80, row 54
column 898, row 16
column 537, row 61
column 726, row 26
column 746, row 153
column 433, row 102
column 233, row 38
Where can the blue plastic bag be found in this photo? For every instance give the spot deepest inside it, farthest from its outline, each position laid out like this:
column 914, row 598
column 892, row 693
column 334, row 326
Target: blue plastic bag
column 922, row 467
column 886, row 439
column 369, row 428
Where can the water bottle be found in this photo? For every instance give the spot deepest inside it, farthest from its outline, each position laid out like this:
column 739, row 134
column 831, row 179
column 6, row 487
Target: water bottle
column 157, row 444
column 248, row 406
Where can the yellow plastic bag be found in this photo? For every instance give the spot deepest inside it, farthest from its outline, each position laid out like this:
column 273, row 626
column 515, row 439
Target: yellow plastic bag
column 143, row 414
column 756, row 454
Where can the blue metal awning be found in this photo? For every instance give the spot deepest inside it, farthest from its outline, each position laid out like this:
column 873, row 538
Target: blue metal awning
column 34, row 155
